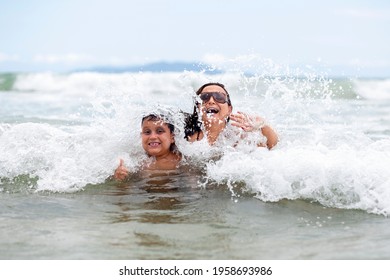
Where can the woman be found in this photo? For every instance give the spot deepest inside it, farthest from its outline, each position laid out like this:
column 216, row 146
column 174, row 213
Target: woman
column 216, row 111
column 158, row 141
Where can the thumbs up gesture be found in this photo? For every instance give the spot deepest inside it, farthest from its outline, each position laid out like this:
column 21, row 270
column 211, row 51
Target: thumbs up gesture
column 121, row 172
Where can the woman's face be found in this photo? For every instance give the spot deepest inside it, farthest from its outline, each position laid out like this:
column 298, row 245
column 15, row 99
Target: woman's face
column 156, row 138
column 212, row 110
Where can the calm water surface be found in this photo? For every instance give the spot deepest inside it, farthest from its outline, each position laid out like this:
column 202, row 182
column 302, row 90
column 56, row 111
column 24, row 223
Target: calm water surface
column 172, row 218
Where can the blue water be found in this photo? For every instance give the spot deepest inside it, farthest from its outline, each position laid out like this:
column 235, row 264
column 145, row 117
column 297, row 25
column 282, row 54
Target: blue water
column 322, row 193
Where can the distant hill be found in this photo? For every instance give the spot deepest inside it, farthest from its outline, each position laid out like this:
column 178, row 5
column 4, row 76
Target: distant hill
column 156, row 67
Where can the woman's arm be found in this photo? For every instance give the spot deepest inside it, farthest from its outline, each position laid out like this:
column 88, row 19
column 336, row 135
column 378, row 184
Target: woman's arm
column 270, row 134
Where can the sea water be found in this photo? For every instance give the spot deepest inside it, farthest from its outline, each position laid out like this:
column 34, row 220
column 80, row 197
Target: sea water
column 322, row 193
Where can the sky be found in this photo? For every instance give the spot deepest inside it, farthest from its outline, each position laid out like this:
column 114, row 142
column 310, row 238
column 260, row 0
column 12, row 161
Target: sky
column 342, row 37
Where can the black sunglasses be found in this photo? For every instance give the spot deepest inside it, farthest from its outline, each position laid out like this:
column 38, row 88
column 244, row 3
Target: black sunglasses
column 218, row 96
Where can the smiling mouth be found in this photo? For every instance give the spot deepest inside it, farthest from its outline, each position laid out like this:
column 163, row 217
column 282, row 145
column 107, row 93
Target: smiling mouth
column 154, row 144
column 212, row 111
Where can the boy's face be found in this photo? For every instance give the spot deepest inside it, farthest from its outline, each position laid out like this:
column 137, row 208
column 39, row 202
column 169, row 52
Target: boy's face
column 156, row 138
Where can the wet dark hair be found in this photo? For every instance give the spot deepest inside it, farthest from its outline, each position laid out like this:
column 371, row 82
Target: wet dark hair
column 192, row 124
column 155, row 117
column 200, row 90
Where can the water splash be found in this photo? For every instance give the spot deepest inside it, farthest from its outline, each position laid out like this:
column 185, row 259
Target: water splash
column 332, row 150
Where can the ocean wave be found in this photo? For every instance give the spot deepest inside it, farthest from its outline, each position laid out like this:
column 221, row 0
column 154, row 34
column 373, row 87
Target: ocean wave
column 79, row 84
column 65, row 132
column 7, row 81
column 378, row 89
column 340, row 177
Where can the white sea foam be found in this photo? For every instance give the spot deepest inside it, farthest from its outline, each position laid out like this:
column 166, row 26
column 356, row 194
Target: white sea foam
column 373, row 89
column 332, row 151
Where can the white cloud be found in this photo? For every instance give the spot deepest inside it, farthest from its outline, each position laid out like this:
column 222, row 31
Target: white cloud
column 75, row 59
column 7, row 57
column 70, row 58
column 124, row 61
column 368, row 63
column 246, row 61
column 365, row 13
column 214, row 59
